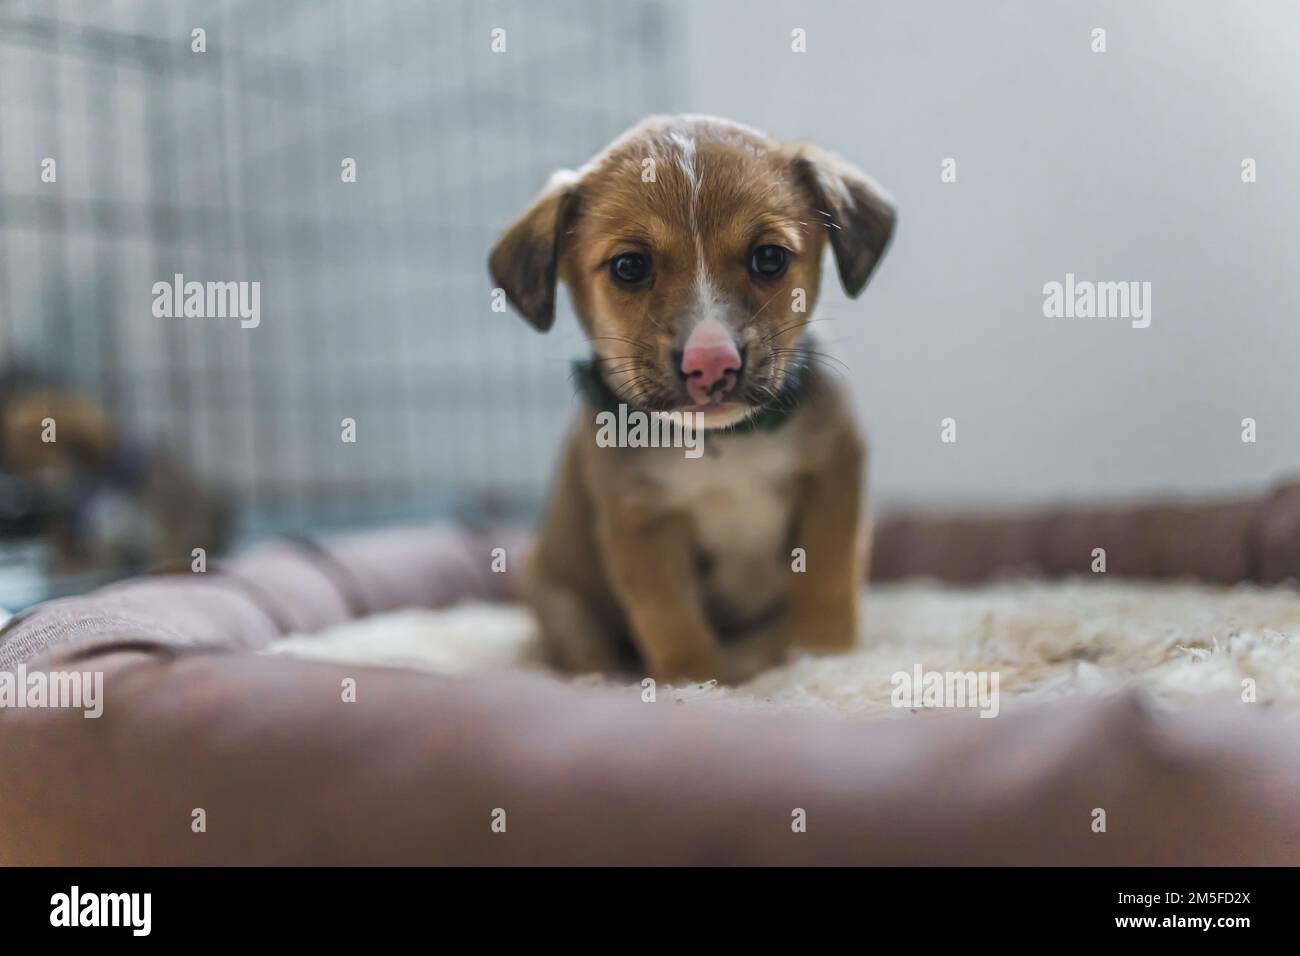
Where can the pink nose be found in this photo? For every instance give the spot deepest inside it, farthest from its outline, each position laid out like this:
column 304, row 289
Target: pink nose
column 710, row 362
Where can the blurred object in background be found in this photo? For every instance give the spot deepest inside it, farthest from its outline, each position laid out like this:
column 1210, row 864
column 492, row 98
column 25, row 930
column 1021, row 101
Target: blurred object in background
column 102, row 503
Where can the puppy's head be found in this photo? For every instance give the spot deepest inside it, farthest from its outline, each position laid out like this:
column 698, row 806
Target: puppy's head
column 692, row 250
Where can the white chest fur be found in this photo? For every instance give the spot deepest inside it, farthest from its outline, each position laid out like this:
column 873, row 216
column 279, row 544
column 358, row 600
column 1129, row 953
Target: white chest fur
column 740, row 499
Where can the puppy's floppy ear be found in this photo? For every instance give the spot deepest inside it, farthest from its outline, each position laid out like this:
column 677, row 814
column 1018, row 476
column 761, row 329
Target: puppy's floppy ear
column 859, row 214
column 524, row 260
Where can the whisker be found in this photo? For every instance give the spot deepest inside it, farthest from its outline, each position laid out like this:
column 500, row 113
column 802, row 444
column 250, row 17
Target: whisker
column 763, row 306
column 810, row 359
column 628, row 368
column 618, row 338
column 621, row 392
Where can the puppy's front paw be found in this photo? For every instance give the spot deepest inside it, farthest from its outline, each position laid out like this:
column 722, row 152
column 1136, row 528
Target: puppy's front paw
column 690, row 668
column 825, row 633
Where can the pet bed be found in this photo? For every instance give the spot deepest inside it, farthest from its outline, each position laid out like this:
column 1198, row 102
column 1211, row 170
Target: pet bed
column 1125, row 738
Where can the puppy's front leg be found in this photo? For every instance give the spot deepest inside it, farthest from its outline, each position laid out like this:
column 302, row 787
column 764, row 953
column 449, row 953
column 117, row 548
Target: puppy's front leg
column 652, row 571
column 822, row 613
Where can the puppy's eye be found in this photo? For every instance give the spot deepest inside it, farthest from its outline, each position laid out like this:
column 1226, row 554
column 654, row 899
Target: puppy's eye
column 769, row 262
column 629, row 268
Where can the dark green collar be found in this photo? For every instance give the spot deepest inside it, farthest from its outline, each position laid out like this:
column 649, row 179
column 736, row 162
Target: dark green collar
column 773, row 415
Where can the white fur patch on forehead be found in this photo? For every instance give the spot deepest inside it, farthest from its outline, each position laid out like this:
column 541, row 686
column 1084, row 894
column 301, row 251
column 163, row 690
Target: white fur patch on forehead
column 686, row 157
column 709, row 302
column 707, row 299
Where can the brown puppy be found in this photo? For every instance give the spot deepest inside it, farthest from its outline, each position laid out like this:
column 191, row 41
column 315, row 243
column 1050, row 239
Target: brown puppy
column 692, row 250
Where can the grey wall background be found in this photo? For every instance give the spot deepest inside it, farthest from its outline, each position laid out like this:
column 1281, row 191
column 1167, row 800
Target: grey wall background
column 1122, row 165
column 1116, row 166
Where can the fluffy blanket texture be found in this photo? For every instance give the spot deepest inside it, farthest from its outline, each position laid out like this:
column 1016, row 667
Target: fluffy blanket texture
column 1042, row 640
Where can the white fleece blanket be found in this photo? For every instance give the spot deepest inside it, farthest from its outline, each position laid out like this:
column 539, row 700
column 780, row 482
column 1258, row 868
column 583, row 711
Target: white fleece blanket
column 1041, row 640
